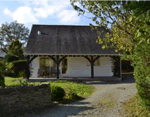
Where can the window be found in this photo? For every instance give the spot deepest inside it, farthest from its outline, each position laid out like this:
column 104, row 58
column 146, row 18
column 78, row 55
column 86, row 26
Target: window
column 97, row 62
column 45, row 62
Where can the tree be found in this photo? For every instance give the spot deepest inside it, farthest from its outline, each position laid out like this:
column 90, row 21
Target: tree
column 15, row 48
column 130, row 18
column 12, row 31
column 109, row 14
column 129, row 25
column 14, row 59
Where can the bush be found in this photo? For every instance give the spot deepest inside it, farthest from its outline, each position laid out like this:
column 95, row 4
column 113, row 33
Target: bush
column 71, row 94
column 22, row 74
column 61, row 81
column 10, row 58
column 2, row 80
column 141, row 63
column 2, row 66
column 10, row 73
column 58, row 93
column 20, row 65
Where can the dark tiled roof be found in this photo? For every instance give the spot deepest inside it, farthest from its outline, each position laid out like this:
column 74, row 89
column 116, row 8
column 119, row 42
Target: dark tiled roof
column 64, row 39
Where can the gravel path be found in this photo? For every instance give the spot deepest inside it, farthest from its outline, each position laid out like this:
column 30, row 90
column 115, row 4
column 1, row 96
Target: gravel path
column 105, row 102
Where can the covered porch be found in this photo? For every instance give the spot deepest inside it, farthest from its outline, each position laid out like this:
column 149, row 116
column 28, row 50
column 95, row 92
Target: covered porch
column 92, row 71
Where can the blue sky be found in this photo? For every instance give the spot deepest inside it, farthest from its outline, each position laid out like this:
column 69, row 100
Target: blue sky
column 50, row 12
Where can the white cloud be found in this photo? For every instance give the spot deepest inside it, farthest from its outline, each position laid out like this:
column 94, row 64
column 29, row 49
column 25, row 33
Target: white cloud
column 43, row 9
column 68, row 16
column 49, row 7
column 40, row 12
column 22, row 15
column 56, row 7
column 7, row 11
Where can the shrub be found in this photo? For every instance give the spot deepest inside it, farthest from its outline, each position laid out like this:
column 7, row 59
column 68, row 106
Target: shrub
column 2, row 66
column 2, row 80
column 22, row 74
column 10, row 73
column 19, row 65
column 58, row 93
column 62, row 81
column 10, row 58
column 71, row 94
column 141, row 63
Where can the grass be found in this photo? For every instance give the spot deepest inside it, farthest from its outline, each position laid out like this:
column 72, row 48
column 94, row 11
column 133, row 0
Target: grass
column 133, row 108
column 107, row 101
column 70, row 88
column 9, row 81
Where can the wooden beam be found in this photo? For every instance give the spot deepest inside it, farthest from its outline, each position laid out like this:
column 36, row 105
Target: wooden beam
column 57, row 63
column 120, row 68
column 58, row 60
column 62, row 59
column 27, row 71
column 87, row 58
column 95, row 59
column 91, row 60
column 52, row 57
column 92, row 67
column 32, row 59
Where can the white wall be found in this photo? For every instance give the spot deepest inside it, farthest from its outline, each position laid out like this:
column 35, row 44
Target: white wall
column 35, row 65
column 77, row 67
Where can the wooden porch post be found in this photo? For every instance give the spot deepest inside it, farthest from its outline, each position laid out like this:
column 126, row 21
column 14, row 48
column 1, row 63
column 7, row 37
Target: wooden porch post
column 28, row 68
column 57, row 63
column 120, row 69
column 92, row 67
column 28, row 65
column 92, row 61
column 57, row 60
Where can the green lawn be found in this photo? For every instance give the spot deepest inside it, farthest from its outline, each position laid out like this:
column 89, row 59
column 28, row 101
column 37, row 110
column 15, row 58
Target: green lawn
column 81, row 90
column 9, row 81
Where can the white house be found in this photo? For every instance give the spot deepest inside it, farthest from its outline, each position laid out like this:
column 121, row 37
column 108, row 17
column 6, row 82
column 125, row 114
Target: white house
column 69, row 51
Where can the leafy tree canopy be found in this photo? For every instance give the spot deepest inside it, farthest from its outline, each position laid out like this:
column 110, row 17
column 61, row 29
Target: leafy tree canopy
column 129, row 25
column 12, row 31
column 15, row 48
column 127, row 30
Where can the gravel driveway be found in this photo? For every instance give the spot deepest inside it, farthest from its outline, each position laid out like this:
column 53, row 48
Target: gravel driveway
column 105, row 101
